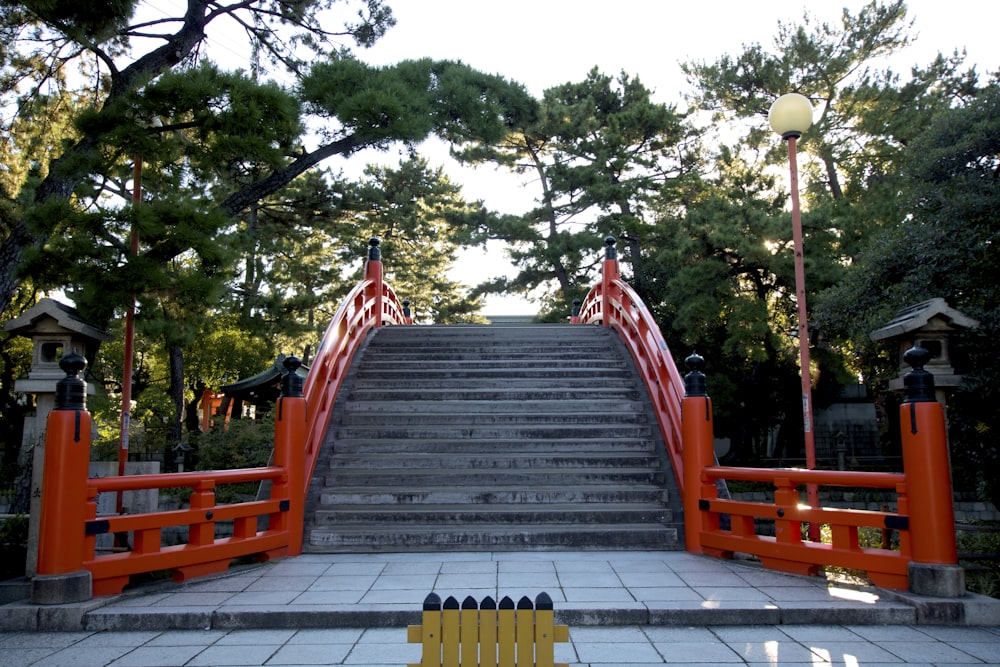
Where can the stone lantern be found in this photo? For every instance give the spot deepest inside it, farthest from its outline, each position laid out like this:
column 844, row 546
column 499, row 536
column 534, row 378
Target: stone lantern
column 929, row 325
column 55, row 330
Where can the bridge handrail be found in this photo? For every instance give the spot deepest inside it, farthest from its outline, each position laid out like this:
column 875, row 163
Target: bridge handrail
column 70, row 524
column 203, row 553
column 371, row 304
column 614, row 303
column 788, row 549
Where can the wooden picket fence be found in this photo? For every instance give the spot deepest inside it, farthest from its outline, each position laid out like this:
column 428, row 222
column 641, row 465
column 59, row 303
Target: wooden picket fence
column 487, row 634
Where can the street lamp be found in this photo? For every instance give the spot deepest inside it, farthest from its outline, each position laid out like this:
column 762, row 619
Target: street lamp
column 790, row 116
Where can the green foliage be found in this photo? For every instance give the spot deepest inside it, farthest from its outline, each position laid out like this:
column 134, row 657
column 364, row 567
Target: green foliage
column 410, row 208
column 408, row 101
column 13, row 546
column 14, row 530
column 602, row 153
column 944, row 248
column 224, row 352
column 244, row 444
column 86, row 22
column 979, row 555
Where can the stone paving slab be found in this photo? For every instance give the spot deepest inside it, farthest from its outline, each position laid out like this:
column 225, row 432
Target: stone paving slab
column 319, row 591
column 596, row 646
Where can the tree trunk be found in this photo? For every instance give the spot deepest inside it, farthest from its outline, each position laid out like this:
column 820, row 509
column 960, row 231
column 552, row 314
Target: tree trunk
column 176, row 355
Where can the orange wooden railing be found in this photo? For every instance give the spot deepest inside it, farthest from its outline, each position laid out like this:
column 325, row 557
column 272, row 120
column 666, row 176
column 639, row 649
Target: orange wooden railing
column 67, row 551
column 614, row 303
column 371, row 304
column 923, row 522
column 203, row 553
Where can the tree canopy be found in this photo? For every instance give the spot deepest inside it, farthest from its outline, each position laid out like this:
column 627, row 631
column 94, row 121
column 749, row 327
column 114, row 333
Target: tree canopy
column 247, row 232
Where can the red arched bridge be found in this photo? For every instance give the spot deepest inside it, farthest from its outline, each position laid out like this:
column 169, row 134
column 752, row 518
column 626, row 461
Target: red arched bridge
column 576, row 436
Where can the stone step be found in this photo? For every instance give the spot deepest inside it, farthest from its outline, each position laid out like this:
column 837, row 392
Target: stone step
column 461, row 445
column 514, row 371
column 492, row 357
column 497, row 538
column 377, row 517
column 496, row 390
column 492, row 459
column 393, row 415
column 491, row 431
column 446, row 476
column 594, row 493
column 429, row 407
column 492, row 438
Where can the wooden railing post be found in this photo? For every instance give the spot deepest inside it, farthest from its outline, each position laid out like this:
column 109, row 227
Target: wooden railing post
column 289, row 453
column 60, row 576
column 699, row 453
column 609, row 274
column 373, row 272
column 934, row 569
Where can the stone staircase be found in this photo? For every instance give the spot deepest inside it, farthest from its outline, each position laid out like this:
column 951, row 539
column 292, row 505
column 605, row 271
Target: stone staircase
column 492, row 438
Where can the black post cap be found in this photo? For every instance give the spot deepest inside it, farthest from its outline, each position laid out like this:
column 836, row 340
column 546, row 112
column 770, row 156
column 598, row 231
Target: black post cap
column 291, row 381
column 918, row 384
column 374, row 253
column 609, row 248
column 71, row 391
column 694, row 381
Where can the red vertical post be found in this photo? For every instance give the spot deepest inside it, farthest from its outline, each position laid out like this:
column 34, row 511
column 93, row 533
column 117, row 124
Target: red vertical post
column 60, row 576
column 697, row 431
column 373, row 272
column 934, row 568
column 812, row 491
column 129, row 352
column 289, row 451
column 926, row 465
column 609, row 275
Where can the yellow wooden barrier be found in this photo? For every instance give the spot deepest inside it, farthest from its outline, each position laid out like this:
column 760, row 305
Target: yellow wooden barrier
column 487, row 634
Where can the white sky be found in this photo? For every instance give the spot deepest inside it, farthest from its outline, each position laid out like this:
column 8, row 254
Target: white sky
column 542, row 43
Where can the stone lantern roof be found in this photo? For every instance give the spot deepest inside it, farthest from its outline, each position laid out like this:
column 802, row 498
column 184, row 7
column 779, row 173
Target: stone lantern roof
column 55, row 329
column 929, row 324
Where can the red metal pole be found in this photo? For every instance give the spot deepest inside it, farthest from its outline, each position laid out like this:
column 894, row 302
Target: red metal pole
column 129, row 355
column 812, row 491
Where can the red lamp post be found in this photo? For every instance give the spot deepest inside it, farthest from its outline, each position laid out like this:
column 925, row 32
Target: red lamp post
column 791, row 115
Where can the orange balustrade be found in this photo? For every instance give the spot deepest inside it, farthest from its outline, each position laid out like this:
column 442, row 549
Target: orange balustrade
column 369, row 305
column 264, row 528
column 924, row 521
column 204, row 553
column 788, row 550
column 613, row 303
